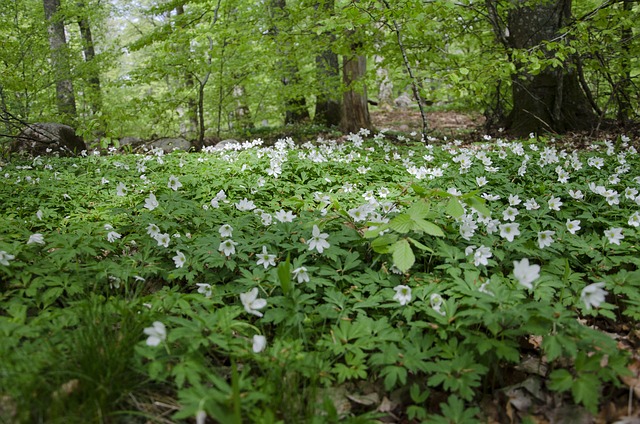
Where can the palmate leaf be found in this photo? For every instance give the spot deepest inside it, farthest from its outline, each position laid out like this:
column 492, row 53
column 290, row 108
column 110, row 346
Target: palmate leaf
column 403, row 257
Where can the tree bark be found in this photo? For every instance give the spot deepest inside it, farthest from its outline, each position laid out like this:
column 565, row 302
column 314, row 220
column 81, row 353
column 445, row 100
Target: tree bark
column 295, row 104
column 65, row 96
column 551, row 100
column 93, row 80
column 193, row 127
column 328, row 102
column 355, row 106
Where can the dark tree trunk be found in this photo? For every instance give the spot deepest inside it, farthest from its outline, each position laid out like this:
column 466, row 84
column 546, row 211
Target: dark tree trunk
column 93, row 80
column 295, row 103
column 328, row 103
column 551, row 100
column 355, row 105
column 623, row 88
column 65, row 97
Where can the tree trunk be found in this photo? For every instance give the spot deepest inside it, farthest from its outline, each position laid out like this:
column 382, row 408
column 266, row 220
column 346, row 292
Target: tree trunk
column 295, row 103
column 356, row 109
column 93, row 80
column 623, row 88
column 551, row 100
column 192, row 105
column 328, row 102
column 65, row 97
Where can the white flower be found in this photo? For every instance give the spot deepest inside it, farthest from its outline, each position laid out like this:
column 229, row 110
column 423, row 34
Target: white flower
column 157, row 334
column 531, row 204
column 510, row 214
column 319, row 240
column 174, row 184
column 153, row 230
column 509, row 231
column 481, row 181
column 104, row 181
column 482, row 255
column 205, row 289
column 554, row 203
column 36, row 238
column 40, row 214
column 225, row 231
column 301, row 274
column 251, row 302
column 265, row 258
column 179, row 259
column 634, row 219
column 228, row 247
column 5, row 258
column 163, row 239
column 614, row 235
column 113, row 236
column 545, row 239
column 514, row 200
column 593, row 295
column 259, row 343
column 245, row 205
column 121, row 190
column 151, row 202
column 403, row 294
column 483, row 289
column 283, row 216
column 266, row 218
column 576, row 194
column 525, row 273
column 573, row 226
column 436, row 303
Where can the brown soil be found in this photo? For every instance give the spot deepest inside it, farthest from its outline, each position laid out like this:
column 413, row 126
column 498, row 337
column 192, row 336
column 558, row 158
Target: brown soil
column 445, row 123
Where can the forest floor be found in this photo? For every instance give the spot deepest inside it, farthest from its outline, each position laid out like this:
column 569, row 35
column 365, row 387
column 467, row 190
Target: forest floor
column 445, row 123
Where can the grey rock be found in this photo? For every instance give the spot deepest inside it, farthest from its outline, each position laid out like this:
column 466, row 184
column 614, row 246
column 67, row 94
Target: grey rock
column 403, row 101
column 48, row 139
column 169, row 144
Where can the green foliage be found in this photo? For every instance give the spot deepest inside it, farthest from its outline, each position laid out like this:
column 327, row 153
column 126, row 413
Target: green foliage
column 359, row 264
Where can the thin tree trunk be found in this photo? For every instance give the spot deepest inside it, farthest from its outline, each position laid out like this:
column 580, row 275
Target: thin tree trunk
column 414, row 81
column 93, row 81
column 192, row 104
column 65, row 97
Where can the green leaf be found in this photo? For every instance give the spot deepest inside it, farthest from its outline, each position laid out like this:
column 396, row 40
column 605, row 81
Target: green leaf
column 419, row 210
column 479, row 204
column 284, row 275
column 403, row 257
column 454, row 208
column 586, row 390
column 419, row 245
column 429, row 228
column 383, row 244
column 560, row 380
column 375, row 232
column 402, row 223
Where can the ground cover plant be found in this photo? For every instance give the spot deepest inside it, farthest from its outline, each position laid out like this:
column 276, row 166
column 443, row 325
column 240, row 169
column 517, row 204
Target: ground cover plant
column 360, row 280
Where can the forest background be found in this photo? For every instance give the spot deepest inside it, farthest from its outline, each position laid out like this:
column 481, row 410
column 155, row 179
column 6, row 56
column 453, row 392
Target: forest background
column 208, row 68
